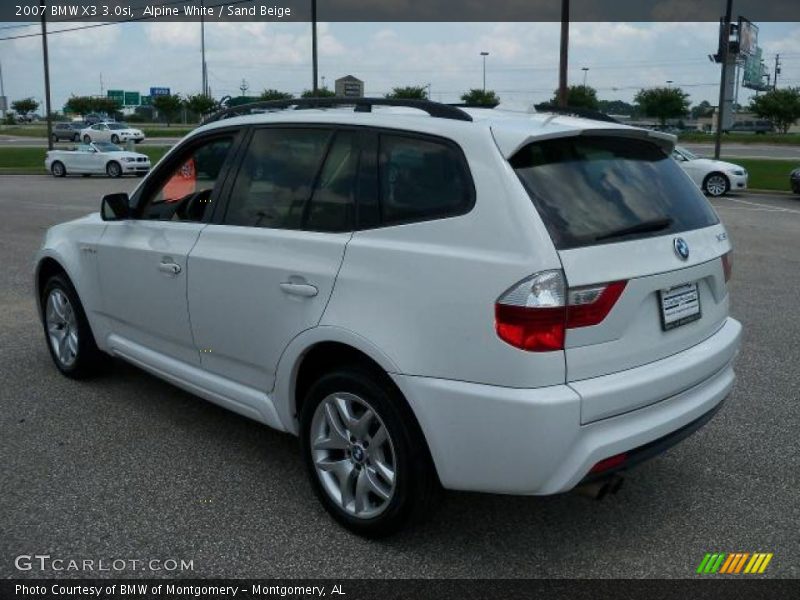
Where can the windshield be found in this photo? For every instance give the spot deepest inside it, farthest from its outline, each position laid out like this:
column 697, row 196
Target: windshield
column 592, row 189
column 107, row 147
column 686, row 153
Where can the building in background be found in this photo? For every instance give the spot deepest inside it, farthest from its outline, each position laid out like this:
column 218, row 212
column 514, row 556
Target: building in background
column 349, row 87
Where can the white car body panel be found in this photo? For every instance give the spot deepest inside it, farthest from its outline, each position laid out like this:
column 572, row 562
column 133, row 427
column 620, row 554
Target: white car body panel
column 418, row 299
column 95, row 162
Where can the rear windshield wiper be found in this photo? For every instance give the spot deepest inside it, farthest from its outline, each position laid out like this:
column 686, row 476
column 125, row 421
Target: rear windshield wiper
column 643, row 227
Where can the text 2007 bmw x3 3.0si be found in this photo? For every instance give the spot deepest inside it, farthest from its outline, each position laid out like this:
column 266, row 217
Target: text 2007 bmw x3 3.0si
column 469, row 298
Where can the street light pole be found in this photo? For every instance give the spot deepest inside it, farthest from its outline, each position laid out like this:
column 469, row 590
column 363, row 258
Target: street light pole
column 724, row 51
column 563, row 60
column 314, row 43
column 48, row 116
column 585, row 74
column 3, row 93
column 484, row 55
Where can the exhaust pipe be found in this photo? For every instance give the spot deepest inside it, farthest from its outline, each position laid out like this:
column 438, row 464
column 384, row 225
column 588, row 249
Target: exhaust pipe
column 597, row 490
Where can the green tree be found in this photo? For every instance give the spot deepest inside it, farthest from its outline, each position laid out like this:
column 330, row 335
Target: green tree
column 663, row 103
column 782, row 107
column 108, row 106
column 579, row 96
column 617, row 107
column 24, row 106
column 479, row 97
column 322, row 92
column 168, row 106
column 79, row 105
column 275, row 95
column 410, row 92
column 704, row 109
column 201, row 105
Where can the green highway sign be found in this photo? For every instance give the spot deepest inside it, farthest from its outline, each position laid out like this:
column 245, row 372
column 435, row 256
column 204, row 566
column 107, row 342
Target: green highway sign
column 132, row 99
column 117, row 95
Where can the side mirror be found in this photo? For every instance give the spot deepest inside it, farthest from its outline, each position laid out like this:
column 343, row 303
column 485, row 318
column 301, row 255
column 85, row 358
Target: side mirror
column 115, row 207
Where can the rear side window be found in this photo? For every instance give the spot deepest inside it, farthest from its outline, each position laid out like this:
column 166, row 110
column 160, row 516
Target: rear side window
column 593, row 190
column 421, row 179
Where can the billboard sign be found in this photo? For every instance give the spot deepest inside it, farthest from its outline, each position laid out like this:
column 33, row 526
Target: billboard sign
column 748, row 37
column 132, row 99
column 754, row 72
column 159, row 91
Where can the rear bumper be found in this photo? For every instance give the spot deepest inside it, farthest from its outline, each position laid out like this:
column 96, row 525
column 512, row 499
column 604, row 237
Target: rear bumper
column 531, row 441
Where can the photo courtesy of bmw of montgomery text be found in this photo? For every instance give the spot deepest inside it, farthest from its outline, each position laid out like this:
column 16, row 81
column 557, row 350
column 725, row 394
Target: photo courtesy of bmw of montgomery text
column 426, row 295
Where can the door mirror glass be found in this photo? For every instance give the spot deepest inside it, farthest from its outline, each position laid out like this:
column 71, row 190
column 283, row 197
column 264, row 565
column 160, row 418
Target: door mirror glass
column 115, row 207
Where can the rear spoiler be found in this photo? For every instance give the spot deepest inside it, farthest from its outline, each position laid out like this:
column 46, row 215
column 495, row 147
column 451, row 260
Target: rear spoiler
column 509, row 141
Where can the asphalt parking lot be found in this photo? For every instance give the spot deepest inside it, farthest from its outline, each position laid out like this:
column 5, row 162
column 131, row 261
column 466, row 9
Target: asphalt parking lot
column 130, row 467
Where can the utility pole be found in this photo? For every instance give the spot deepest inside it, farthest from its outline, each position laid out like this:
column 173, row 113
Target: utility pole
column 48, row 116
column 562, row 67
column 204, row 76
column 484, row 55
column 776, row 72
column 585, row 74
column 3, row 100
column 314, row 44
column 724, row 52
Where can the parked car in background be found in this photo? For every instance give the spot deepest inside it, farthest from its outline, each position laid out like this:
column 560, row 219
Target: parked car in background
column 70, row 132
column 472, row 298
column 116, row 133
column 761, row 126
column 97, row 158
column 93, row 118
column 794, row 180
column 715, row 177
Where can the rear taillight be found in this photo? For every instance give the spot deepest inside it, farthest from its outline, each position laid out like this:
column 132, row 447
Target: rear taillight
column 535, row 314
column 727, row 265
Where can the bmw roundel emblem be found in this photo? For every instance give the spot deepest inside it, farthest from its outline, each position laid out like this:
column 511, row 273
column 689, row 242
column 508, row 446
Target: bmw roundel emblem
column 681, row 248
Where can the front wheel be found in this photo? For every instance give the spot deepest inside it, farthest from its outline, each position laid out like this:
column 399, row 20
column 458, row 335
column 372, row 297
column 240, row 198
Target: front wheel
column 365, row 454
column 716, row 185
column 87, row 139
column 113, row 169
column 69, row 337
column 114, row 139
column 76, row 138
column 58, row 169
column 54, row 137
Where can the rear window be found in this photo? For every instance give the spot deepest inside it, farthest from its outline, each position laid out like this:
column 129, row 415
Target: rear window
column 594, row 190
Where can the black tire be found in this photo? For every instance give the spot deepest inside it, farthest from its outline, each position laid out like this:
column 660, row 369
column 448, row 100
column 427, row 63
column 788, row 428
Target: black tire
column 716, row 191
column 58, row 169
column 54, row 137
column 113, row 169
column 114, row 139
column 416, row 484
column 76, row 138
column 90, row 360
column 87, row 139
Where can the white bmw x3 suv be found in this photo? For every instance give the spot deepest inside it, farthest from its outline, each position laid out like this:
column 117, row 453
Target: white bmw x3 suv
column 470, row 298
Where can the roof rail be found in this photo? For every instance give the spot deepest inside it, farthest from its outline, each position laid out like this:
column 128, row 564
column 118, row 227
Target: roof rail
column 574, row 111
column 434, row 109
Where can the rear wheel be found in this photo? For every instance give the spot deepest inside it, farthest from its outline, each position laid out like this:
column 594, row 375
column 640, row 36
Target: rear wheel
column 113, row 169
column 58, row 169
column 115, row 139
column 69, row 337
column 364, row 452
column 76, row 138
column 87, row 139
column 54, row 137
column 716, row 185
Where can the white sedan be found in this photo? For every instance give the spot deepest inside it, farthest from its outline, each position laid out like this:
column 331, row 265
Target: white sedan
column 715, row 177
column 98, row 158
column 111, row 132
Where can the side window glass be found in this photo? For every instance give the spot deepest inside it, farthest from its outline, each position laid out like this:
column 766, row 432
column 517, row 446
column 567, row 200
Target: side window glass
column 333, row 202
column 276, row 178
column 185, row 195
column 421, row 179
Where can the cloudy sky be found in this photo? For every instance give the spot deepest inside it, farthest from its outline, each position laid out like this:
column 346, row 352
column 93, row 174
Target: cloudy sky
column 522, row 66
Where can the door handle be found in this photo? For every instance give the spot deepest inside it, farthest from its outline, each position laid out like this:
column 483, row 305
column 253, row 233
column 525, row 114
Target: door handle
column 304, row 290
column 169, row 268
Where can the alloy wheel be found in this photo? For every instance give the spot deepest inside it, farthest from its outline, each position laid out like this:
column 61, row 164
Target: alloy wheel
column 353, row 455
column 716, row 185
column 62, row 327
